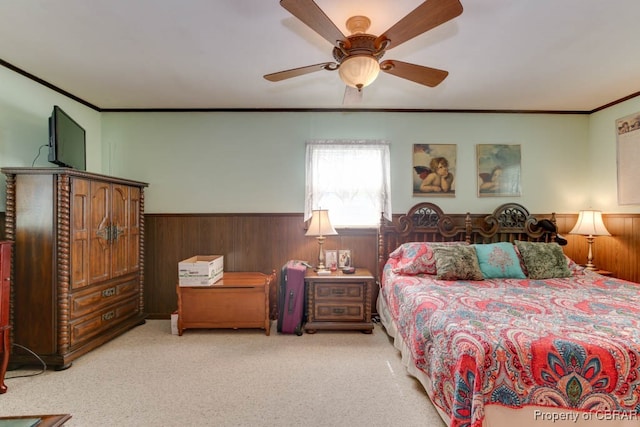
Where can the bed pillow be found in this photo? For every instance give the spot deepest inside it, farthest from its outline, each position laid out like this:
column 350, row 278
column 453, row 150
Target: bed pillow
column 458, row 262
column 499, row 261
column 543, row 260
column 418, row 257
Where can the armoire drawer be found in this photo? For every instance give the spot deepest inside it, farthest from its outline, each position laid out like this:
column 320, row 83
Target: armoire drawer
column 96, row 297
column 99, row 321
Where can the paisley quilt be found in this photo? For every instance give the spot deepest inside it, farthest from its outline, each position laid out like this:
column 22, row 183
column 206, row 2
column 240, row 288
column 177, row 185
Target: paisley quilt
column 564, row 343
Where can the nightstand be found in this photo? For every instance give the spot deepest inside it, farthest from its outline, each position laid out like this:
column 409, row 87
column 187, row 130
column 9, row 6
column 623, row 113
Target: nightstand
column 604, row 272
column 339, row 301
column 600, row 272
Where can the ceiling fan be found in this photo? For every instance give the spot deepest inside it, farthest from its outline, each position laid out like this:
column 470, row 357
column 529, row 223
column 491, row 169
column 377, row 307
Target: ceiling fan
column 357, row 56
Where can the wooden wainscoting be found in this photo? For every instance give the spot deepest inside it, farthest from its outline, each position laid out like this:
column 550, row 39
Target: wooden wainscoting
column 263, row 242
column 617, row 253
column 249, row 242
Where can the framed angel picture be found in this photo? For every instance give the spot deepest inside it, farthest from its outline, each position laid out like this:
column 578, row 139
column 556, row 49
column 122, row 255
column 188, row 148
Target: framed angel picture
column 498, row 168
column 434, row 169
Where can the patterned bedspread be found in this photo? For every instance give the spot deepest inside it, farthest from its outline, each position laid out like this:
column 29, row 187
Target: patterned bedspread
column 570, row 343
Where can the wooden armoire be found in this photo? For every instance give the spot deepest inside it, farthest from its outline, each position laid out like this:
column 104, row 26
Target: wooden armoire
column 78, row 256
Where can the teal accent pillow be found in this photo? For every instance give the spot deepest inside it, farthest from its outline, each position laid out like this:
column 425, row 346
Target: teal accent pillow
column 543, row 260
column 457, row 262
column 499, row 261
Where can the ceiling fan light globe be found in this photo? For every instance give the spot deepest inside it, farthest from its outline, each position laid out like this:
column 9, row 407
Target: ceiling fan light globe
column 359, row 71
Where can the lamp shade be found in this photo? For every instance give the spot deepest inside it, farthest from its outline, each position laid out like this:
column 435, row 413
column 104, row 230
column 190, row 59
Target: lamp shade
column 590, row 224
column 320, row 224
column 359, row 70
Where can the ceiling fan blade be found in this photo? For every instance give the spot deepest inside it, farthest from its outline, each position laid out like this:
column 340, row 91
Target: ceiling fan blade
column 310, row 13
column 428, row 15
column 352, row 96
column 295, row 72
column 416, row 73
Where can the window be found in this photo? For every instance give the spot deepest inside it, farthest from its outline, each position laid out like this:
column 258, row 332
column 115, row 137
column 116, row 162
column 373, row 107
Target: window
column 351, row 179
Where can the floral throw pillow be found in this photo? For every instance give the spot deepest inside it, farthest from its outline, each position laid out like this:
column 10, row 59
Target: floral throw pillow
column 543, row 260
column 499, row 260
column 418, row 257
column 458, row 262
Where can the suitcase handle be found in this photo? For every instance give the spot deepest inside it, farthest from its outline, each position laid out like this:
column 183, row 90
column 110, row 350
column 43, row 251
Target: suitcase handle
column 292, row 301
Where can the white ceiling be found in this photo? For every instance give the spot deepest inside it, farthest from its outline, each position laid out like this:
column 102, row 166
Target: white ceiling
column 569, row 55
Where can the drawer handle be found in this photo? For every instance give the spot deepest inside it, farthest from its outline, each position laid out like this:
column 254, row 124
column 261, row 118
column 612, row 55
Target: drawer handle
column 339, row 311
column 338, row 291
column 109, row 292
column 109, row 315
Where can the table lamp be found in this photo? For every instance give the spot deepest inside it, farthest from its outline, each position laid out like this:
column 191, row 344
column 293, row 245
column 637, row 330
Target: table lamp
column 590, row 224
column 319, row 227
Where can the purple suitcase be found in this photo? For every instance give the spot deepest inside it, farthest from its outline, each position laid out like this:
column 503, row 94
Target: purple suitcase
column 291, row 298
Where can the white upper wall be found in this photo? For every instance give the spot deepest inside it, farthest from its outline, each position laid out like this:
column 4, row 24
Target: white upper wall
column 25, row 107
column 602, row 172
column 254, row 161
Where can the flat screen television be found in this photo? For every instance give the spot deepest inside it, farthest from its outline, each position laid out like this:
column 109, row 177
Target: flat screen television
column 67, row 141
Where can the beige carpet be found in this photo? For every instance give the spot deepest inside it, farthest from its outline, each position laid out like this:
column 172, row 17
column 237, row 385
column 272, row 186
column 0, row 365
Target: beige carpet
column 148, row 377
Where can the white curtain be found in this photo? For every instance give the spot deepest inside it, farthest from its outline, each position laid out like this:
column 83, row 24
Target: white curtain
column 350, row 178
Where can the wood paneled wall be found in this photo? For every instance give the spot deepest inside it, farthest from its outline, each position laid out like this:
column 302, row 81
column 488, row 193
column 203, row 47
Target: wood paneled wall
column 264, row 242
column 249, row 242
column 617, row 253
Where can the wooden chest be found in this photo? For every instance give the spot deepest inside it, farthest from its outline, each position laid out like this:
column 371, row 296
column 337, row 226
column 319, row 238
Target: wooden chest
column 238, row 300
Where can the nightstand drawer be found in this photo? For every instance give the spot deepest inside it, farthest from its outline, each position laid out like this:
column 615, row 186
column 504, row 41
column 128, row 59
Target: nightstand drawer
column 339, row 312
column 342, row 291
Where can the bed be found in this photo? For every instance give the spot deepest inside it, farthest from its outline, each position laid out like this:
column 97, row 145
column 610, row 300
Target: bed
column 501, row 328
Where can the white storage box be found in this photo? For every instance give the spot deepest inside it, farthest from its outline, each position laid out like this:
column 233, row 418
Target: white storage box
column 200, row 270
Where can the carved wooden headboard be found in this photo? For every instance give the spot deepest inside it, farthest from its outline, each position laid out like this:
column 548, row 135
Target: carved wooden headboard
column 426, row 222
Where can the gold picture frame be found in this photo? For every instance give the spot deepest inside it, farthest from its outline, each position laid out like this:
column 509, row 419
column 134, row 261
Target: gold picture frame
column 434, row 170
column 499, row 170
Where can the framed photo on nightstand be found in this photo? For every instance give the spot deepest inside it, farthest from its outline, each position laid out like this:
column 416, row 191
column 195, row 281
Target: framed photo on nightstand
column 331, row 260
column 344, row 258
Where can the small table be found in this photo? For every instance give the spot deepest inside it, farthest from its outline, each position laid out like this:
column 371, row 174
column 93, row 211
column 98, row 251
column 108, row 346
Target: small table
column 5, row 292
column 339, row 301
column 238, row 300
column 5, row 346
column 54, row 420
